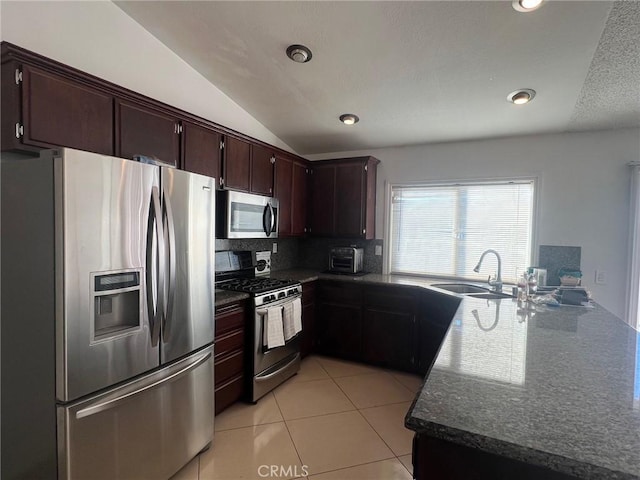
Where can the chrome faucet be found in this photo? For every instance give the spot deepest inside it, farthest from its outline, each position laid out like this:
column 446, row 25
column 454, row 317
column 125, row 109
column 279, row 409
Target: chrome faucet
column 497, row 282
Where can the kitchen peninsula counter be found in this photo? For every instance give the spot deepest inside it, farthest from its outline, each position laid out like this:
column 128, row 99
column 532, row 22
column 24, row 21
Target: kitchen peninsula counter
column 553, row 388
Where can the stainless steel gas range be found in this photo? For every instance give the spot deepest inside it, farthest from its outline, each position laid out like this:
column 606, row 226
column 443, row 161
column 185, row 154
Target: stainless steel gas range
column 270, row 362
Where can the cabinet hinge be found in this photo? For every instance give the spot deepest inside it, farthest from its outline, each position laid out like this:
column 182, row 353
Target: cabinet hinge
column 273, row 160
column 364, row 230
column 221, row 144
column 18, row 76
column 19, row 130
column 221, row 181
column 180, row 128
column 365, row 168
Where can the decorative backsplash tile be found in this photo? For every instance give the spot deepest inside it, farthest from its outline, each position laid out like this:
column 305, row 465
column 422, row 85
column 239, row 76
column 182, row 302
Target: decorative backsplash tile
column 286, row 257
column 553, row 258
column 310, row 253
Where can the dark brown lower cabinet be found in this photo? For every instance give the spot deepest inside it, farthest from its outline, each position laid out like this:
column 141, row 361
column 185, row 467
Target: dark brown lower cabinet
column 229, row 354
column 438, row 459
column 395, row 327
column 308, row 318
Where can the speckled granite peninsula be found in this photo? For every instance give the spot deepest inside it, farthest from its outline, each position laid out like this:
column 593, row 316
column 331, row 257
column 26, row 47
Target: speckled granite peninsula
column 552, row 388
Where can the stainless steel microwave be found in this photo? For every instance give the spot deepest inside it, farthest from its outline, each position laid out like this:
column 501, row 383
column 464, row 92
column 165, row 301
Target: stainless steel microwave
column 245, row 215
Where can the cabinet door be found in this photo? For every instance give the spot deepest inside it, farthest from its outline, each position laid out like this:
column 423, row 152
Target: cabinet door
column 59, row 112
column 339, row 329
column 262, row 162
column 307, row 342
column 322, row 204
column 350, row 204
column 142, row 131
column 388, row 338
column 201, row 150
column 237, row 164
column 299, row 199
column 283, row 194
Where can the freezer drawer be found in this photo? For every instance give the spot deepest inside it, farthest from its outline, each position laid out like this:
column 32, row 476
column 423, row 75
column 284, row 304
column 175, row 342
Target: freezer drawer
column 149, row 428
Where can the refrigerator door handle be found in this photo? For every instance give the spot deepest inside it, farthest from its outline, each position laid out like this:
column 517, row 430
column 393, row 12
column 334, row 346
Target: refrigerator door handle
column 114, row 402
column 155, row 267
column 170, row 232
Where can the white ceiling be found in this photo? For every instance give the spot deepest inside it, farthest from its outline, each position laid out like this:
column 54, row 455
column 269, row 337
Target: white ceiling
column 415, row 72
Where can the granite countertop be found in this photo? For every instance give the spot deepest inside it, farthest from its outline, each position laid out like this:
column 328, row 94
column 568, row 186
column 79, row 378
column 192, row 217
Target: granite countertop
column 225, row 297
column 556, row 387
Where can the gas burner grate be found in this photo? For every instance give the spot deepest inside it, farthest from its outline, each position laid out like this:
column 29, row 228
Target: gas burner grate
column 254, row 285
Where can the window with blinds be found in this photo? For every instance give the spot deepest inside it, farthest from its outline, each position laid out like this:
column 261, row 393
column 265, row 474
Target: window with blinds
column 442, row 229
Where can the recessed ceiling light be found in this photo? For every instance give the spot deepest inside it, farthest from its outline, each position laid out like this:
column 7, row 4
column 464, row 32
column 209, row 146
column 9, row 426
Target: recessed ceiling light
column 526, row 5
column 349, row 118
column 299, row 53
column 522, row 96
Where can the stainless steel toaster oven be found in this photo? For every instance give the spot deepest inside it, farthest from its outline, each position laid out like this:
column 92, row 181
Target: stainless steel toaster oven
column 346, row 259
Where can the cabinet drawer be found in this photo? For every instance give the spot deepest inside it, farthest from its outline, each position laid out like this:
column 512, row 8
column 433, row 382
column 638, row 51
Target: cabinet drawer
column 392, row 299
column 228, row 393
column 340, row 292
column 229, row 317
column 227, row 367
column 229, row 342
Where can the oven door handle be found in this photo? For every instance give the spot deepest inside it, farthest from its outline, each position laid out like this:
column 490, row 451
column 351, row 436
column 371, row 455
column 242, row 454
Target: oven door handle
column 277, row 372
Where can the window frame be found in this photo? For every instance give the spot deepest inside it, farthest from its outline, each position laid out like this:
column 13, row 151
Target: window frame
column 536, row 180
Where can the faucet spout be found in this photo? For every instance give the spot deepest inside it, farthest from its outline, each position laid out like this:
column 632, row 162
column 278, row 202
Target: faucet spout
column 497, row 283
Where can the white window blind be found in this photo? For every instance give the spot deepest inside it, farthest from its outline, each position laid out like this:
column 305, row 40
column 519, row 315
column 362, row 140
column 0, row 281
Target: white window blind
column 442, row 229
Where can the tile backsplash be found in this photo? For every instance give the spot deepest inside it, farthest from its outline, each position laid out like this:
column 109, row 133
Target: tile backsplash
column 555, row 257
column 286, row 257
column 312, row 253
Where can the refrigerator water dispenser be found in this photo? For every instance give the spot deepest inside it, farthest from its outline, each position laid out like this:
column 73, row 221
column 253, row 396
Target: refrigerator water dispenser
column 117, row 308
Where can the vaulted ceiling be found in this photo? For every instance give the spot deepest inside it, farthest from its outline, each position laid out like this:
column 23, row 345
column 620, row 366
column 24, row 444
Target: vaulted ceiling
column 414, row 72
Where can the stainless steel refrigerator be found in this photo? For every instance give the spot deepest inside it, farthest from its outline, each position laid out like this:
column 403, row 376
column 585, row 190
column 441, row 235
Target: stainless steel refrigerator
column 107, row 308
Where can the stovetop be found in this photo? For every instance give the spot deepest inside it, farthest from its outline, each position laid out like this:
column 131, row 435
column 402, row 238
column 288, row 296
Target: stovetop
column 255, row 286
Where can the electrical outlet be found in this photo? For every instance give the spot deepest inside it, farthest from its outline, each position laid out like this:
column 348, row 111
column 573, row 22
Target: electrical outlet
column 378, row 250
column 275, row 247
column 601, row 277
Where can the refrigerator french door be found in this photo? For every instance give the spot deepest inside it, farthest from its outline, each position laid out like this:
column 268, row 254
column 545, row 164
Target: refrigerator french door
column 120, row 292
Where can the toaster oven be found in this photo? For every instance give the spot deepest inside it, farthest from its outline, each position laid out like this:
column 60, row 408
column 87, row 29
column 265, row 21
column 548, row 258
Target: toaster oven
column 346, row 259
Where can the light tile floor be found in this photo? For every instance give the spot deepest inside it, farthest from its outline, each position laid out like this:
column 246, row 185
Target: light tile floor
column 334, row 420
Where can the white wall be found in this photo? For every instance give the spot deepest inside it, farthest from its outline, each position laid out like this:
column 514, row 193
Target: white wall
column 584, row 197
column 99, row 38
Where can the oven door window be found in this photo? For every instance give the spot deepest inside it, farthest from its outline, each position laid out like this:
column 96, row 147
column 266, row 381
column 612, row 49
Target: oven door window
column 246, row 217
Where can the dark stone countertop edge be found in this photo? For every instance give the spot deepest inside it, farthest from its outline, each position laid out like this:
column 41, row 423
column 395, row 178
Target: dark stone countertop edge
column 224, row 297
column 531, row 456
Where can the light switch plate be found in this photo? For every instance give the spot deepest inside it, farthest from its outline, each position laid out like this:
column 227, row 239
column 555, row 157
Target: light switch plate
column 601, row 277
column 275, row 247
column 378, row 250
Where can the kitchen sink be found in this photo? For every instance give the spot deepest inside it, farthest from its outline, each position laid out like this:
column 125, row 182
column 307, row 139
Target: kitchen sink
column 460, row 288
column 489, row 295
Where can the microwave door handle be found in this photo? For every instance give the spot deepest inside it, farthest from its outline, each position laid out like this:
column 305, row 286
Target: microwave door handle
column 266, row 224
column 273, row 219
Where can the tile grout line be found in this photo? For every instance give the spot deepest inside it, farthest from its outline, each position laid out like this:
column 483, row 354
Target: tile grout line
column 288, row 431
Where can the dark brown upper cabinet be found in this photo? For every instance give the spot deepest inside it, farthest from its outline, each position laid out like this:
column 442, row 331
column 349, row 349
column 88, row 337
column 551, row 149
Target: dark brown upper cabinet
column 262, row 166
column 148, row 132
column 201, row 150
column 283, row 187
column 299, row 198
column 55, row 111
column 344, row 197
column 236, row 167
